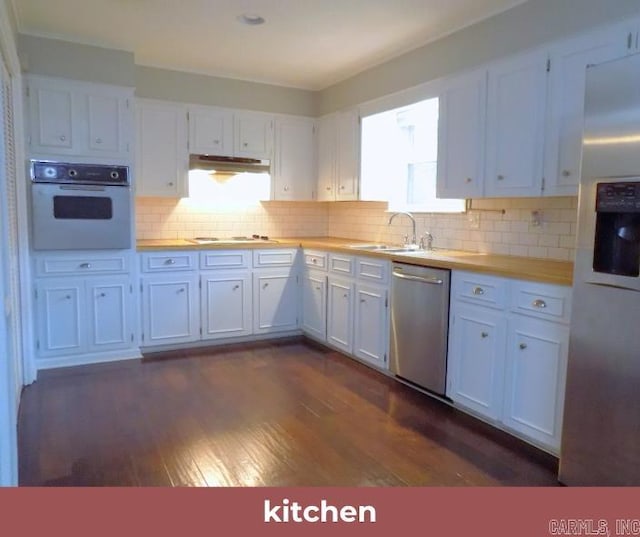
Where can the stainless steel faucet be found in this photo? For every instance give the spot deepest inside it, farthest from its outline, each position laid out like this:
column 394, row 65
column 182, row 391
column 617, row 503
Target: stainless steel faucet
column 426, row 241
column 413, row 224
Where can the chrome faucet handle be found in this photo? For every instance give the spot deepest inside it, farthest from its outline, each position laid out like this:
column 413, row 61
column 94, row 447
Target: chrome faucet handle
column 406, row 240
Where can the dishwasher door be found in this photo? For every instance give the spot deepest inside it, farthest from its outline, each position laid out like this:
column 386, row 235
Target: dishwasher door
column 420, row 325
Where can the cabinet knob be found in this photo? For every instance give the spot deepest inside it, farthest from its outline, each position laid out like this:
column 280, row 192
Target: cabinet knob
column 468, row 180
column 68, row 297
column 500, row 177
column 346, row 295
column 362, row 300
column 216, row 142
column 236, row 287
column 169, row 261
column 170, row 184
column 102, row 295
column 539, row 303
column 63, row 138
column 85, row 265
column 318, row 288
column 98, row 140
column 181, row 290
column 478, row 291
column 522, row 346
column 484, row 334
column 286, row 189
column 566, row 173
column 341, row 187
column 265, row 285
column 314, row 260
column 245, row 144
column 328, row 188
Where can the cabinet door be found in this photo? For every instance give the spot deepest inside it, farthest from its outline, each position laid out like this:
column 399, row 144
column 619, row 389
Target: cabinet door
column 171, row 312
column 225, row 304
column 371, row 324
column 210, row 131
column 477, row 339
column 314, row 305
column 253, row 135
column 275, row 301
column 294, row 166
column 60, row 316
column 461, row 137
column 340, row 314
column 108, row 128
column 326, row 158
column 347, row 155
column 110, row 313
column 51, row 117
column 563, row 144
column 535, row 375
column 162, row 155
column 516, row 105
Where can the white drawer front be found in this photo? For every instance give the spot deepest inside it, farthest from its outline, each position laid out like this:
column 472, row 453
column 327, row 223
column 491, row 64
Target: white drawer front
column 274, row 258
column 159, row 261
column 56, row 266
column 341, row 264
column 225, row 259
column 315, row 259
column 372, row 269
column 546, row 301
column 478, row 289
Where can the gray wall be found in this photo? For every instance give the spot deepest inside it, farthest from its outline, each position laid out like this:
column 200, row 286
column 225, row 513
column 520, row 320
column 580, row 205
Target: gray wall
column 53, row 57
column 525, row 26
column 201, row 89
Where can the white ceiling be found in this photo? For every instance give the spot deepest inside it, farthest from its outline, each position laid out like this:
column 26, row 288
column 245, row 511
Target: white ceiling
column 307, row 44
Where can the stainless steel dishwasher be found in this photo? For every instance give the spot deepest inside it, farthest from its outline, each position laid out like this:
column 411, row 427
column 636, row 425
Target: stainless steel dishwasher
column 420, row 325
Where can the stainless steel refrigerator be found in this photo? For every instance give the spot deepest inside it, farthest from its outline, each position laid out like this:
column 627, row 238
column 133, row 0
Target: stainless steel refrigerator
column 601, row 426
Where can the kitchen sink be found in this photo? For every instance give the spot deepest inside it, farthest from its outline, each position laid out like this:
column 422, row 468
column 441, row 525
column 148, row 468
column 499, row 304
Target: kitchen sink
column 384, row 247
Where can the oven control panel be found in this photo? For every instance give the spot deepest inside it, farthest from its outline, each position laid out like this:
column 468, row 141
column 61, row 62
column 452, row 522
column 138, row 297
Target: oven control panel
column 83, row 174
column 618, row 197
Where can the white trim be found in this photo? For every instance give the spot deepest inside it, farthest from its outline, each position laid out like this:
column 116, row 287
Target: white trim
column 89, row 358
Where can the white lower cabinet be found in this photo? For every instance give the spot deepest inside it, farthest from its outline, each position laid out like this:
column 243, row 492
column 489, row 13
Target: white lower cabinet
column 84, row 306
column 275, row 300
column 314, row 304
column 535, row 375
column 170, row 308
column 371, row 324
column 507, row 357
column 340, row 314
column 476, row 359
column 225, row 302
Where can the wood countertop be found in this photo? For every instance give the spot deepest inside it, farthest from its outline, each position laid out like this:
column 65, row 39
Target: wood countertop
column 526, row 268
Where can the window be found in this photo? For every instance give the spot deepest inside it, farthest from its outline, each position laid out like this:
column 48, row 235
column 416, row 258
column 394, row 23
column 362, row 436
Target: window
column 400, row 159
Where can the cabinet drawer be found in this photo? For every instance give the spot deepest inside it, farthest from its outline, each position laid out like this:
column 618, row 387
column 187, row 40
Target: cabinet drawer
column 160, row 261
column 315, row 259
column 552, row 302
column 478, row 289
column 372, row 269
column 78, row 264
column 274, row 258
column 341, row 264
column 225, row 259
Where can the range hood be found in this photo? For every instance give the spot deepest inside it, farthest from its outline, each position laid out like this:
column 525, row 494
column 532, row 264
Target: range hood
column 228, row 165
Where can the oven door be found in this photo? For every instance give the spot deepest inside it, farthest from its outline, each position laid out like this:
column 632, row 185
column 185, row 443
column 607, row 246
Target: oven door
column 80, row 217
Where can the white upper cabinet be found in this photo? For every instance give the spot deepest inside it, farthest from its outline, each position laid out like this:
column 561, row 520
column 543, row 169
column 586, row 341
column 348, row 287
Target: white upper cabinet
column 210, row 131
column 253, row 133
column 161, row 149
column 338, row 156
column 516, row 104
column 565, row 117
column 79, row 119
column 461, row 135
column 293, row 171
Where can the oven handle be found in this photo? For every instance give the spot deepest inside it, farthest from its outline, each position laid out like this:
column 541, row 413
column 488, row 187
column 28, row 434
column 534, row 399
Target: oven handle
column 91, row 188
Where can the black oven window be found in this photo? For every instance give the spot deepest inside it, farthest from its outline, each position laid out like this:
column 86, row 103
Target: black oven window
column 82, row 208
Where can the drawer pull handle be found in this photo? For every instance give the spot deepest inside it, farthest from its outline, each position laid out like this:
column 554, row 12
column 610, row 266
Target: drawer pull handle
column 478, row 291
column 538, row 303
column 85, row 265
column 484, row 334
column 522, row 346
column 169, row 261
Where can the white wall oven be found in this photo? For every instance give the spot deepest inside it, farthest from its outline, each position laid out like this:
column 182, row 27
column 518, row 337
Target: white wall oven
column 80, row 206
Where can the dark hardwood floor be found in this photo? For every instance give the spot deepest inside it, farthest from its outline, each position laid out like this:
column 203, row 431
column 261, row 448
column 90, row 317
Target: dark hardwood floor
column 268, row 414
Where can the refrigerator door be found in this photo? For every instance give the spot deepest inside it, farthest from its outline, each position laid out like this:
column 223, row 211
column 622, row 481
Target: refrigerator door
column 601, row 426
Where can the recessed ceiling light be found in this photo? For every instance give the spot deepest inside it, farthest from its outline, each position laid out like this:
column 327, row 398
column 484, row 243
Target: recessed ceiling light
column 251, row 19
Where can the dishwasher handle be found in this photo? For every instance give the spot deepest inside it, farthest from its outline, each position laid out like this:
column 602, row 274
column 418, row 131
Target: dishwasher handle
column 433, row 281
